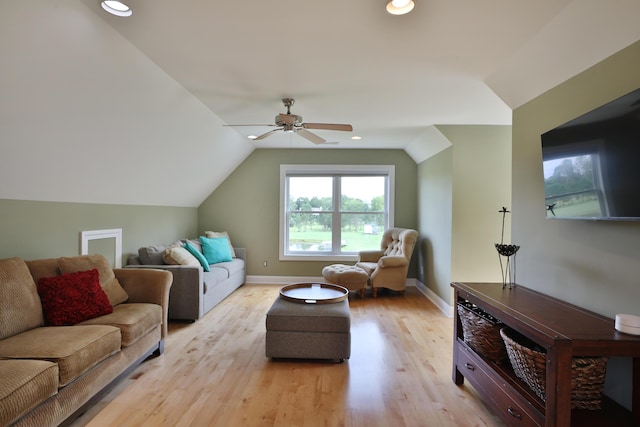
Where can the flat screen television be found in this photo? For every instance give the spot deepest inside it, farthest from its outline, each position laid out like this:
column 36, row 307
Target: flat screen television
column 592, row 163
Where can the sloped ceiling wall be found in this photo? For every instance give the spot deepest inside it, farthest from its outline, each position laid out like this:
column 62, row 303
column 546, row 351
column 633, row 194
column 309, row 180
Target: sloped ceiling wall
column 85, row 117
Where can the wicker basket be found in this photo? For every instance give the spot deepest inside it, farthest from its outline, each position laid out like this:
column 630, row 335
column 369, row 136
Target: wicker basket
column 481, row 332
column 529, row 364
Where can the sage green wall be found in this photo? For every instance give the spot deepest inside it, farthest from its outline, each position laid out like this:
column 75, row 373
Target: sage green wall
column 246, row 204
column 593, row 264
column 461, row 191
column 34, row 229
column 481, row 187
column 435, row 198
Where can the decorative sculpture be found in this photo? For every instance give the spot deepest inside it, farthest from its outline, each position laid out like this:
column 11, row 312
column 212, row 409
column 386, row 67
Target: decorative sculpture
column 508, row 267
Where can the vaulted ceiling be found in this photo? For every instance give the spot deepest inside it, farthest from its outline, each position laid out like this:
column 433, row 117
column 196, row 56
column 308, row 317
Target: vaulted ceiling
column 97, row 108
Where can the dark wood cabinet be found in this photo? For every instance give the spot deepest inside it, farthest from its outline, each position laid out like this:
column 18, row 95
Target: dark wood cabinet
column 564, row 331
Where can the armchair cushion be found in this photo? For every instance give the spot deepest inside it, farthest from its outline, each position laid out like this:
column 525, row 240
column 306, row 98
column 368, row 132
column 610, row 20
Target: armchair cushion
column 369, row 267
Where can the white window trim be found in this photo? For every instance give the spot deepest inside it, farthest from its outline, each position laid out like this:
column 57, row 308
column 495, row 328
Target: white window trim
column 388, row 170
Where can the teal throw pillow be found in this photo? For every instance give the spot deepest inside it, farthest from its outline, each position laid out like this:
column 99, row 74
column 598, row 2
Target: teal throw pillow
column 196, row 253
column 216, row 249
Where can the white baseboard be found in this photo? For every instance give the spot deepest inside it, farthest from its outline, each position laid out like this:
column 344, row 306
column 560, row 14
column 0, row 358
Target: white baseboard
column 280, row 280
column 444, row 307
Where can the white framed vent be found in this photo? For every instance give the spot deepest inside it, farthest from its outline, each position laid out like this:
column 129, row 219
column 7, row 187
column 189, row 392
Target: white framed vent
column 87, row 236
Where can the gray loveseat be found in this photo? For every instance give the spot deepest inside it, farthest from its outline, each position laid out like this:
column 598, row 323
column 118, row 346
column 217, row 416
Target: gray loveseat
column 194, row 291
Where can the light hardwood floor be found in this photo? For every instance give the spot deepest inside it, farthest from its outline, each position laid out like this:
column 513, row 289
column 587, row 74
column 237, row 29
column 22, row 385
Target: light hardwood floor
column 214, row 373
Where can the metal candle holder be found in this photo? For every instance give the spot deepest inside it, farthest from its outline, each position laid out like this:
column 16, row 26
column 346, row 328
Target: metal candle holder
column 508, row 267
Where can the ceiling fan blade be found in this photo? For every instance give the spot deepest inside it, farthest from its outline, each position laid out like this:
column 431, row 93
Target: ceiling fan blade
column 310, row 136
column 250, row 125
column 328, row 126
column 264, row 135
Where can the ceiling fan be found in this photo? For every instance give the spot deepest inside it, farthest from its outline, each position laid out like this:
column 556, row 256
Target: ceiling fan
column 293, row 123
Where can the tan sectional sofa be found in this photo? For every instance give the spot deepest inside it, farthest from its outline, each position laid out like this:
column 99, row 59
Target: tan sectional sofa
column 49, row 374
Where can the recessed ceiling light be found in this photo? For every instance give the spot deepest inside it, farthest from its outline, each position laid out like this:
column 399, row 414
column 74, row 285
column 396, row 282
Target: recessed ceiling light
column 252, row 136
column 356, row 137
column 400, row 7
column 116, row 8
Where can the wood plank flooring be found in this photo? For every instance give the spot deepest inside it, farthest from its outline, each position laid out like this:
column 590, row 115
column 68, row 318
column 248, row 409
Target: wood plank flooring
column 214, row 373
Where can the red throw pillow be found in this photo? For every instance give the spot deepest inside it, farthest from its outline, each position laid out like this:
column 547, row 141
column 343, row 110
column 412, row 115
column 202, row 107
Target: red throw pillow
column 72, row 298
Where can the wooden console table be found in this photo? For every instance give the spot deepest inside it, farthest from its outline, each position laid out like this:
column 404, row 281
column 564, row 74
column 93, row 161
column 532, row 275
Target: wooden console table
column 564, row 330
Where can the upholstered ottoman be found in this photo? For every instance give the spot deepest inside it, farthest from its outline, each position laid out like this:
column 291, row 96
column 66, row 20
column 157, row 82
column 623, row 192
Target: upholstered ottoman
column 351, row 277
column 308, row 331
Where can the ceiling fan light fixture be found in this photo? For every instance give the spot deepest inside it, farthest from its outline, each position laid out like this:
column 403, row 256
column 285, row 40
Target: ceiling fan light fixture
column 400, row 7
column 116, row 8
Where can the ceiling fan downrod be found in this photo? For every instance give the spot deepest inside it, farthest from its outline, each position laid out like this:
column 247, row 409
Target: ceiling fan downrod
column 288, row 102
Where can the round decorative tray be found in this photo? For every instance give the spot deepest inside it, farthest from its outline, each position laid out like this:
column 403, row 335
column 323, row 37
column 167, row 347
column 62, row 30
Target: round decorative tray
column 314, row 293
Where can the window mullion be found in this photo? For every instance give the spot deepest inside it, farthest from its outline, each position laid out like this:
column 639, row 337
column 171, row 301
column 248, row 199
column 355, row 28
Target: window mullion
column 336, row 226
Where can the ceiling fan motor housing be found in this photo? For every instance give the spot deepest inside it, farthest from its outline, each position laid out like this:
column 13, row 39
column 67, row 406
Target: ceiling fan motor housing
column 288, row 120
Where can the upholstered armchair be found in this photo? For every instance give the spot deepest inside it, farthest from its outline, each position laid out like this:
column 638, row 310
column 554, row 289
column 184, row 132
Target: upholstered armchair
column 388, row 267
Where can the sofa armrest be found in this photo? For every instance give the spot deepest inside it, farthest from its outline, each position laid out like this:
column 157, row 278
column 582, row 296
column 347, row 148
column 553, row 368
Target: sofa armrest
column 146, row 285
column 370, row 256
column 241, row 253
column 392, row 261
column 186, row 291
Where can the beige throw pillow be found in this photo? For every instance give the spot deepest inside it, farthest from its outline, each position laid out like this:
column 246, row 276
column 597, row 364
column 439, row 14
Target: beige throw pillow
column 179, row 256
column 108, row 280
column 214, row 234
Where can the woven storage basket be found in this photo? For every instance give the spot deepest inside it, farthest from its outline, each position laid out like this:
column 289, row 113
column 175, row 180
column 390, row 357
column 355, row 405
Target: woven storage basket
column 481, row 332
column 529, row 364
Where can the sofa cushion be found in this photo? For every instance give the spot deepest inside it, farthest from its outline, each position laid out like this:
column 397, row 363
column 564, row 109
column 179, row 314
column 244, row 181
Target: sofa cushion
column 72, row 298
column 40, row 268
column 196, row 253
column 213, row 234
column 211, row 278
column 75, row 349
column 232, row 267
column 108, row 281
column 152, row 255
column 195, row 243
column 179, row 256
column 20, row 308
column 25, row 384
column 216, row 249
column 133, row 320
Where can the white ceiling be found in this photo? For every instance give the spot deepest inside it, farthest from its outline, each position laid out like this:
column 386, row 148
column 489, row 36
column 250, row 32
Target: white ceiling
column 392, row 77
column 101, row 109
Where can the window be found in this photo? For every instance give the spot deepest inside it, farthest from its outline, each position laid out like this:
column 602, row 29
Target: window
column 331, row 212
